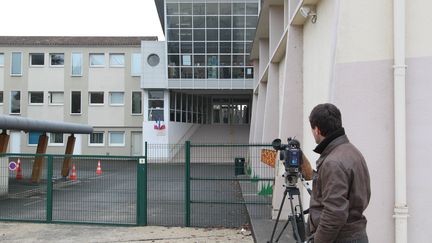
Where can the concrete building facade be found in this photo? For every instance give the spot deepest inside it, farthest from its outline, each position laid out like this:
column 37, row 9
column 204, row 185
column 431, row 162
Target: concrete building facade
column 371, row 59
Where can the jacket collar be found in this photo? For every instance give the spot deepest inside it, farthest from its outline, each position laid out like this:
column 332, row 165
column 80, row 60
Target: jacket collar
column 327, row 140
column 329, row 143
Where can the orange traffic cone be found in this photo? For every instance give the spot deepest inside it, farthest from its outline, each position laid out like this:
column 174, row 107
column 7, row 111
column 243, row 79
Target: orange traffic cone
column 99, row 169
column 19, row 171
column 73, row 176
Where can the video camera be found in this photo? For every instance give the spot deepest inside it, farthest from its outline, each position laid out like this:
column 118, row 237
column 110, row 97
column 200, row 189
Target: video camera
column 291, row 155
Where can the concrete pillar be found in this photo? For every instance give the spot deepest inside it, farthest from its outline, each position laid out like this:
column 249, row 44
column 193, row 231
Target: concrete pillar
column 38, row 164
column 69, row 151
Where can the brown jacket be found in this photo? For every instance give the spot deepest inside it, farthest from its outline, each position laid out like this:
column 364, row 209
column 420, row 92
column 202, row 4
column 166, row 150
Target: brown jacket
column 341, row 192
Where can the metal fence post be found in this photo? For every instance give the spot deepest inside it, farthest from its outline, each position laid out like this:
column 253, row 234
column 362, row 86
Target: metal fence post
column 187, row 184
column 142, row 189
column 49, row 204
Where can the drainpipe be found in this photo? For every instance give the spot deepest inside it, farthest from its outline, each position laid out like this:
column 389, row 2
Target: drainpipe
column 400, row 207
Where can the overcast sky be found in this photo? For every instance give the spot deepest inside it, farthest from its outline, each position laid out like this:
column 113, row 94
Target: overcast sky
column 79, row 18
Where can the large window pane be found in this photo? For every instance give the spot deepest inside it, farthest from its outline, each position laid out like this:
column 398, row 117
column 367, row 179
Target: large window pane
column 16, row 63
column 76, row 102
column 172, row 8
column 251, row 21
column 186, row 47
column 96, row 98
column 199, row 8
column 212, row 60
column 185, row 22
column 249, row 72
column 173, row 47
column 199, row 22
column 116, row 98
column 225, row 60
column 37, row 59
column 199, row 73
column 212, row 22
column 186, row 35
column 97, row 60
column 238, row 60
column 239, row 8
column 199, row 60
column 186, row 8
column 56, row 98
column 225, row 73
column 212, row 72
column 57, row 59
column 250, row 34
column 186, row 60
column 15, row 102
column 238, row 73
column 225, row 34
column 136, row 64
column 33, row 138
column 116, row 139
column 212, row 8
column 225, row 9
column 36, row 97
column 199, row 35
column 173, row 60
column 186, row 72
column 238, row 34
column 136, row 103
column 238, row 47
column 55, row 139
column 173, row 21
column 212, row 47
column 199, row 47
column 77, row 62
column 238, row 21
column 212, row 35
column 225, row 22
column 173, row 72
column 96, row 138
column 251, row 8
column 1, row 97
column 173, row 34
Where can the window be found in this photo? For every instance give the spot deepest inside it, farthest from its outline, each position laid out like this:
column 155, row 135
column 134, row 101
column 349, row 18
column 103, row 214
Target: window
column 156, row 105
column 1, row 97
column 15, row 102
column 1, row 59
column 96, row 139
column 36, row 97
column 136, row 64
column 116, row 138
column 136, row 103
column 56, row 98
column 33, row 138
column 153, row 60
column 97, row 60
column 96, row 98
column 76, row 102
column 77, row 62
column 57, row 59
column 116, row 98
column 16, row 64
column 37, row 59
column 55, row 139
column 117, row 60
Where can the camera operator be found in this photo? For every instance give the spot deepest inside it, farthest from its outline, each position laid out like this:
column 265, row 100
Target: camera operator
column 341, row 186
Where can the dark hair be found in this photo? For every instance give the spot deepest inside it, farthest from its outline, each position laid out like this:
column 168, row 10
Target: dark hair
column 326, row 117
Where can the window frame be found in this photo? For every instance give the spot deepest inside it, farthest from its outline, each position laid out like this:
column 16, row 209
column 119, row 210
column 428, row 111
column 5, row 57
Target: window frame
column 71, row 103
column 10, row 103
column 55, row 144
column 30, row 98
column 90, row 144
column 36, row 65
column 11, row 65
column 110, row 100
column 116, row 144
column 141, row 103
column 94, row 93
column 116, row 65
column 133, row 56
column 50, row 93
column 72, row 64
column 99, row 65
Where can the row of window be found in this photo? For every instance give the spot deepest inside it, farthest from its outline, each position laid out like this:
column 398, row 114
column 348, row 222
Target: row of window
column 57, row 98
column 58, row 60
column 210, row 73
column 239, row 47
column 210, row 35
column 236, row 8
column 115, row 139
column 209, row 60
column 212, row 21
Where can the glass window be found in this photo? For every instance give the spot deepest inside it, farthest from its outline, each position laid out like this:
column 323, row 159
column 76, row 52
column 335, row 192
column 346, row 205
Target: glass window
column 225, row 22
column 55, row 139
column 212, row 60
column 173, row 72
column 212, row 72
column 225, row 8
column 225, row 34
column 239, row 8
column 117, row 60
column 186, row 60
column 198, row 21
column 136, row 103
column 199, row 9
column 199, row 35
column 76, row 102
column 185, row 22
column 238, row 21
column 116, row 98
column 238, row 34
column 225, row 47
column 212, row 35
column 250, row 33
column 156, row 105
column 96, row 138
column 238, row 72
column 186, row 47
column 173, row 21
column 251, row 21
column 186, row 72
column 212, row 22
column 212, row 47
column 37, row 59
column 36, row 97
column 153, row 60
column 199, row 47
column 96, row 98
column 116, row 138
column 199, row 60
column 57, row 59
column 56, row 97
column 97, row 60
column 15, row 102
column 249, row 72
column 1, row 97
column 212, row 8
column 172, row 9
column 199, row 73
column 238, row 60
column 225, row 60
column 16, row 64
column 33, row 138
column 136, row 64
column 251, row 8
column 173, row 47
column 173, row 34
column 173, row 60
column 238, row 47
column 1, row 59
column 225, row 73
column 77, row 63
column 156, row 94
column 186, row 8
column 186, row 35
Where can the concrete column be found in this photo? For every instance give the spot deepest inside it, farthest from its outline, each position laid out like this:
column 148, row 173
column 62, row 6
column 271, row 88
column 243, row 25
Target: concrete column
column 259, row 115
column 38, row 164
column 271, row 110
column 69, row 151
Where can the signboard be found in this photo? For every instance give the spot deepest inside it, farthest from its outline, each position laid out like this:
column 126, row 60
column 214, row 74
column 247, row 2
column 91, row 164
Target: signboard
column 12, row 166
column 268, row 157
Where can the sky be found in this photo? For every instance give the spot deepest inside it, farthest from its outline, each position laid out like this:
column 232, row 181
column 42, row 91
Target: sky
column 79, row 18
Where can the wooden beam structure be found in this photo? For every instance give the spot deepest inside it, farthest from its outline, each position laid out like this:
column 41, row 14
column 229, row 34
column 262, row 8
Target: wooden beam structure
column 4, row 141
column 69, row 151
column 38, row 163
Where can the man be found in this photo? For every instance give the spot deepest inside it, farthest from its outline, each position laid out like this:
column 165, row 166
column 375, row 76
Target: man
column 341, row 186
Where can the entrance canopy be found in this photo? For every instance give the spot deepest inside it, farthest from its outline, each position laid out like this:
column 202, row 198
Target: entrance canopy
column 33, row 125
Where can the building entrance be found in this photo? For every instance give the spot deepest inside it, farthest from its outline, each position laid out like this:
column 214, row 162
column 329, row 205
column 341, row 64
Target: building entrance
column 232, row 111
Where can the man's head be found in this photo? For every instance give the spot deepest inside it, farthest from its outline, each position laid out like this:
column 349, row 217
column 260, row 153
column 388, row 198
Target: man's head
column 324, row 119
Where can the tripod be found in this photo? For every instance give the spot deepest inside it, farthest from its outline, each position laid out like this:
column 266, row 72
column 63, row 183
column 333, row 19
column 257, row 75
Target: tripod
column 296, row 219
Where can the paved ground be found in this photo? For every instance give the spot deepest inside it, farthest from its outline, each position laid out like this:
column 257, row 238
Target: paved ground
column 35, row 232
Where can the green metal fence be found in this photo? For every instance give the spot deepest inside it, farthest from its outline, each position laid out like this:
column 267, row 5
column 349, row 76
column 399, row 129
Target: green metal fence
column 203, row 185
column 97, row 189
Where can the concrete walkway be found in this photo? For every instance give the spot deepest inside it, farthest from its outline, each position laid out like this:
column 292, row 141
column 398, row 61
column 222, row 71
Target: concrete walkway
column 39, row 232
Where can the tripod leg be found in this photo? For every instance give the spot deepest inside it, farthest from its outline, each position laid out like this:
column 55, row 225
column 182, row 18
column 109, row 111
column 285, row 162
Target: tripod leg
column 294, row 222
column 278, row 216
column 283, row 229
